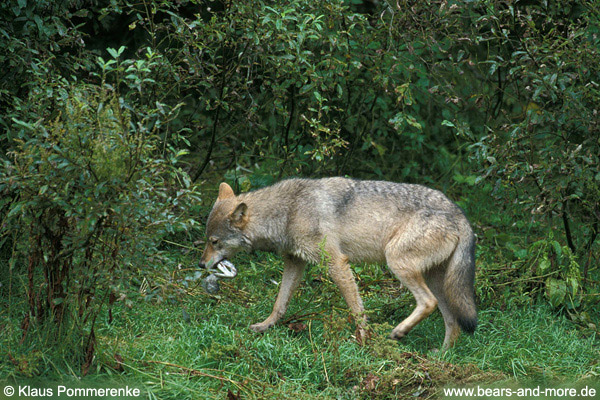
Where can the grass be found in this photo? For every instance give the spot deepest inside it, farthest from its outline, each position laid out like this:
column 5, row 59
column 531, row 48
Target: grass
column 198, row 346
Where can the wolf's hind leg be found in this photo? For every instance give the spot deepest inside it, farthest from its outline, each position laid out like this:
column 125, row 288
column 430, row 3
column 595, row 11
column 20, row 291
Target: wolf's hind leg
column 435, row 281
column 426, row 301
column 292, row 275
column 409, row 255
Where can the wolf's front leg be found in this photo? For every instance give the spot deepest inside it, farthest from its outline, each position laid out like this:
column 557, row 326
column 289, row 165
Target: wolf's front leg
column 342, row 276
column 292, row 275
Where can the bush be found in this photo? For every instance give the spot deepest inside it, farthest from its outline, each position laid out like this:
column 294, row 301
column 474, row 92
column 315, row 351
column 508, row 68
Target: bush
column 89, row 193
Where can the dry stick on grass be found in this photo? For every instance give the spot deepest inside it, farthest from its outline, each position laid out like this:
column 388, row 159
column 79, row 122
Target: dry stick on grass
column 196, row 372
column 299, row 317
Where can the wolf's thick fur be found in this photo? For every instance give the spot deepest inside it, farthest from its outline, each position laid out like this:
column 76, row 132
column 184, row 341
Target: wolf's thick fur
column 424, row 238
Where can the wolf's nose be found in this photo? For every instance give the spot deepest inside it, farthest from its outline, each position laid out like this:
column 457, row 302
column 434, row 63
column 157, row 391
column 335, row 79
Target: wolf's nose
column 201, row 264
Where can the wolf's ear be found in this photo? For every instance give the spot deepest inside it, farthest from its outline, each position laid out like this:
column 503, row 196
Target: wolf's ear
column 225, row 191
column 239, row 216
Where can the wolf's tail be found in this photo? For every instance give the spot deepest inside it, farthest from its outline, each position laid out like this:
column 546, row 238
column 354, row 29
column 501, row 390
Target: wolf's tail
column 459, row 282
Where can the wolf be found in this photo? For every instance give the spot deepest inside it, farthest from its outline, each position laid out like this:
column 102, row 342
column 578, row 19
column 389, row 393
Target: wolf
column 423, row 237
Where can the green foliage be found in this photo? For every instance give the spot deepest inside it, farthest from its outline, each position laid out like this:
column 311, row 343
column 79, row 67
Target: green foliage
column 541, row 147
column 544, row 148
column 89, row 194
column 301, row 87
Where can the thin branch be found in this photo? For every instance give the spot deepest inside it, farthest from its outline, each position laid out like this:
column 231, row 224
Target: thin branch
column 225, row 74
column 286, row 134
column 565, row 219
column 211, row 145
column 589, row 248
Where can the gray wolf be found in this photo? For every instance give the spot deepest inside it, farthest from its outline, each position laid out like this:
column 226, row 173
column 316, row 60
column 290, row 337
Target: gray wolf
column 424, row 238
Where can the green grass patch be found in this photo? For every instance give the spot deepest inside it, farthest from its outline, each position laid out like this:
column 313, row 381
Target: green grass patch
column 195, row 345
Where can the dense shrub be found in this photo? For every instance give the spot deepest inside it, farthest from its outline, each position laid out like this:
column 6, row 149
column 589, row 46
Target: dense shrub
column 90, row 190
column 538, row 143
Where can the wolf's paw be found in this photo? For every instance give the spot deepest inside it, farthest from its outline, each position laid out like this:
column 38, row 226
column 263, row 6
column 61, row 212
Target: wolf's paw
column 397, row 334
column 260, row 327
column 363, row 335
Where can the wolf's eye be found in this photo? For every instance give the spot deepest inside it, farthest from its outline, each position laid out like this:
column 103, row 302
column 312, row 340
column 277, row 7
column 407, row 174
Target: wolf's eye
column 213, row 240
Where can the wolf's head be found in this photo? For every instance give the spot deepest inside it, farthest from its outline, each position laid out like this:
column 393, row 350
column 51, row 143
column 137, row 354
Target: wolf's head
column 225, row 228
